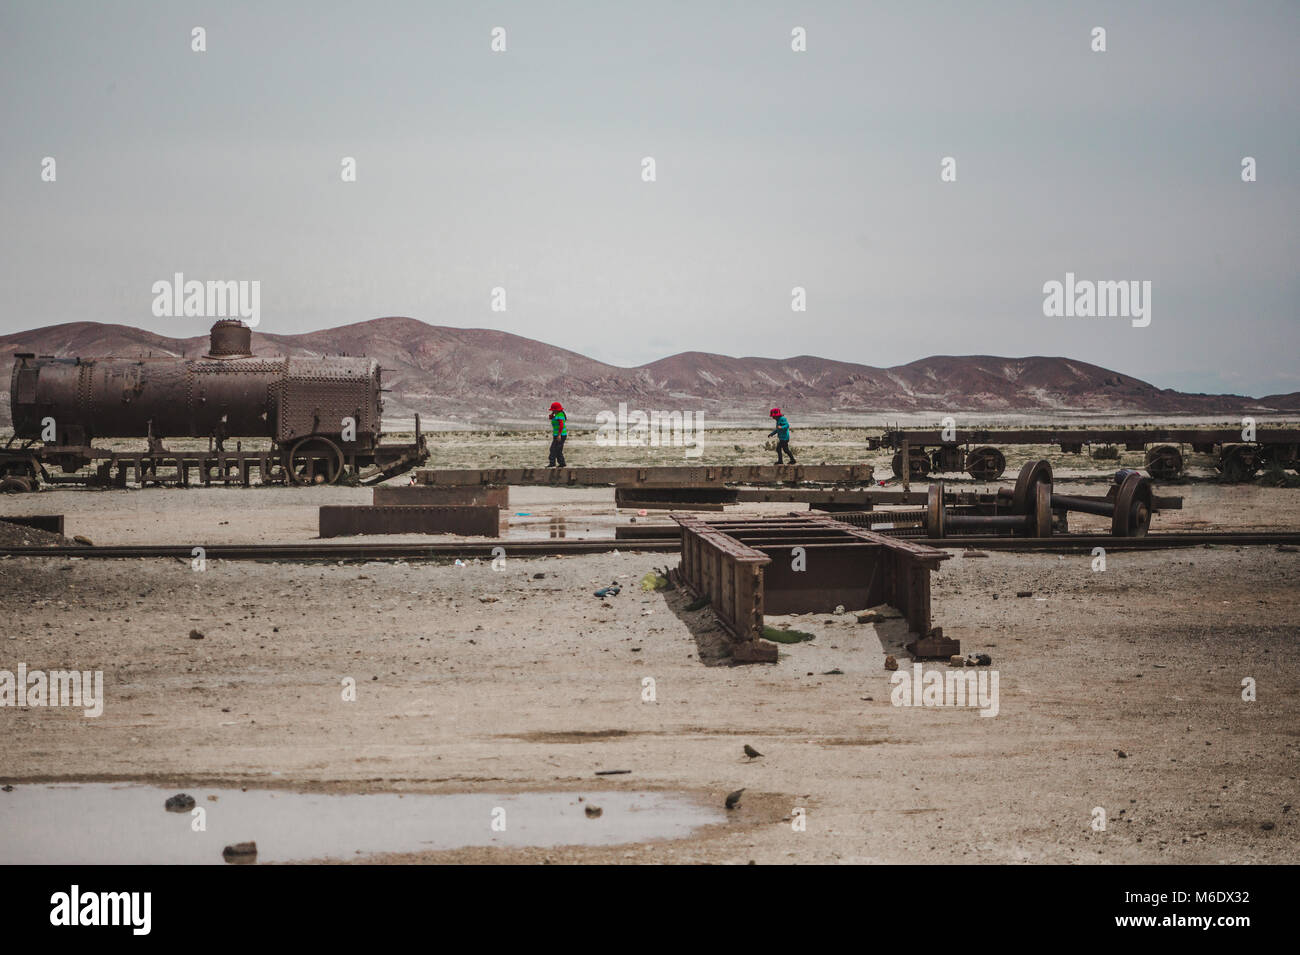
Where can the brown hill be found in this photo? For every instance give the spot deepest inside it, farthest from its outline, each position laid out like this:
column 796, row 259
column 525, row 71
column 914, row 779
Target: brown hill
column 1290, row 402
column 485, row 376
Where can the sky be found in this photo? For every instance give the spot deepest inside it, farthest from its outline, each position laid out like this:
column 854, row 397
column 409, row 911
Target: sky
column 775, row 169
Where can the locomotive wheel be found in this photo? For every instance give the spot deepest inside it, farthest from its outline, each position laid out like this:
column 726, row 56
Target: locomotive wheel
column 14, row 485
column 1237, row 464
column 1034, row 472
column 1042, row 509
column 920, row 464
column 1132, row 514
column 315, row 460
column 1164, row 462
column 986, row 464
column 934, row 523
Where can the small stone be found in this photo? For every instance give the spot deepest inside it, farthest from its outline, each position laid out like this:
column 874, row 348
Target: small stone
column 181, row 802
column 881, row 612
column 84, row 540
column 593, row 812
column 1024, row 593
column 1121, row 754
column 241, row 853
column 1266, row 826
column 196, row 635
column 891, row 663
column 957, row 660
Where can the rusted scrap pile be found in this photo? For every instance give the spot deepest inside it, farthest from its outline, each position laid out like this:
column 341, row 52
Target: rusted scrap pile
column 746, row 567
column 469, row 511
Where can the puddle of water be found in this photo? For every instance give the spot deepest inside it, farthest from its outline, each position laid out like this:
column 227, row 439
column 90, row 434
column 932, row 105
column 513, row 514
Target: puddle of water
column 118, row 823
column 539, row 527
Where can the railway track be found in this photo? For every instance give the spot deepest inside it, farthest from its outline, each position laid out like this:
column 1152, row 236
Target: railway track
column 668, row 543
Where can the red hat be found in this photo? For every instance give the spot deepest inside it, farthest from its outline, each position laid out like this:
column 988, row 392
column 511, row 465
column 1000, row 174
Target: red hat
column 556, row 406
column 774, row 413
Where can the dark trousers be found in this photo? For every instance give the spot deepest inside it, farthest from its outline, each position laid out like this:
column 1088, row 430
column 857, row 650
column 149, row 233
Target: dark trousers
column 557, row 451
column 784, row 446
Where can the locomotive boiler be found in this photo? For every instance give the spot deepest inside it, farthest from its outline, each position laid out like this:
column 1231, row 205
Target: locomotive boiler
column 322, row 415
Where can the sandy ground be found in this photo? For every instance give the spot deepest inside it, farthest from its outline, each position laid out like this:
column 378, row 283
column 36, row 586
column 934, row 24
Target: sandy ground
column 219, row 515
column 475, row 680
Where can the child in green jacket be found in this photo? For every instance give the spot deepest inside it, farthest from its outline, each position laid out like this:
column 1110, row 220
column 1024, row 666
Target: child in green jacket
column 559, row 431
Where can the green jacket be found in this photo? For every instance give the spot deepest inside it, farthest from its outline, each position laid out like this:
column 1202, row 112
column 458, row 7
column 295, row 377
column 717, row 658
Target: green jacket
column 559, row 424
column 782, row 430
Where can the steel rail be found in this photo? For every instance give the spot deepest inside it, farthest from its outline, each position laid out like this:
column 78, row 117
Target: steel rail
column 668, row 543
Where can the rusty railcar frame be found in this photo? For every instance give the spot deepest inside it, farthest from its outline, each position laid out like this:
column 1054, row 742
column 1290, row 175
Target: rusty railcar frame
column 1238, row 455
column 746, row 567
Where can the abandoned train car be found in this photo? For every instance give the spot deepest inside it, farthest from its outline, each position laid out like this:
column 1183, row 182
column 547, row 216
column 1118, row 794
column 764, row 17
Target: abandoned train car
column 321, row 415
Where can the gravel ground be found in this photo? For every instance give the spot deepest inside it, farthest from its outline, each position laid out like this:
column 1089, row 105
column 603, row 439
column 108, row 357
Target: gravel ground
column 474, row 680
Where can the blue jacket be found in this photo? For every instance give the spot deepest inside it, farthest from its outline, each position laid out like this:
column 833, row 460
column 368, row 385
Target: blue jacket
column 782, row 430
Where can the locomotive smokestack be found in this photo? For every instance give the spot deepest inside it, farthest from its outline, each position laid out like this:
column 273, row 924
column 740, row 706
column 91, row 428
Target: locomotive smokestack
column 230, row 338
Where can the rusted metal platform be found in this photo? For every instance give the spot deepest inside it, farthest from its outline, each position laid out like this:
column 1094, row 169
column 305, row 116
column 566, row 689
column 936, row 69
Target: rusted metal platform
column 468, row 520
column 406, row 495
column 858, row 474
column 805, row 564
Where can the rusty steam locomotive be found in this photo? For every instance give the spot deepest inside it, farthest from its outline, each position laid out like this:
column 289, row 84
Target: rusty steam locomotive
column 322, row 416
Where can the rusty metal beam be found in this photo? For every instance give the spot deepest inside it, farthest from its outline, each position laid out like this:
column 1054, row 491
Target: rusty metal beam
column 469, row 520
column 406, row 495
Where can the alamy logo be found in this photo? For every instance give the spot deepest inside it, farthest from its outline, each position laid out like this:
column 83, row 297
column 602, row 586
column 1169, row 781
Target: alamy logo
column 194, row 299
column 103, row 908
column 636, row 429
column 952, row 688
column 1087, row 299
column 75, row 688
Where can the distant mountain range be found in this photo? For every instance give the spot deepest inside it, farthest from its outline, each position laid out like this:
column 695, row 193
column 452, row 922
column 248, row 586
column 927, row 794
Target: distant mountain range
column 480, row 376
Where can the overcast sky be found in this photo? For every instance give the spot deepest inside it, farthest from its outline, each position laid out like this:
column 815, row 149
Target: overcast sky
column 775, row 169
